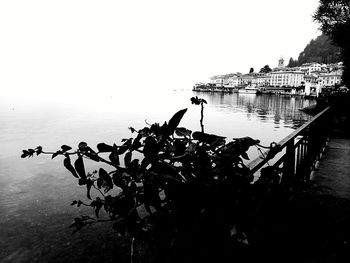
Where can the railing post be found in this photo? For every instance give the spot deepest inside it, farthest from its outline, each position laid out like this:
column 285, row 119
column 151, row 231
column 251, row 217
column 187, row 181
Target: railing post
column 289, row 163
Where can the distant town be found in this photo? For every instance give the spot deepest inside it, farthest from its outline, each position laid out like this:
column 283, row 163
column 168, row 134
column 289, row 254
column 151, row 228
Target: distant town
column 309, row 79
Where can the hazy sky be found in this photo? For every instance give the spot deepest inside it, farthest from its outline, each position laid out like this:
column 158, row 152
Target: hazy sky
column 51, row 48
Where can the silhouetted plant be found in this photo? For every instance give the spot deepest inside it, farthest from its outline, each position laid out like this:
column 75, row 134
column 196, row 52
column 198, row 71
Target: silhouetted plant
column 171, row 186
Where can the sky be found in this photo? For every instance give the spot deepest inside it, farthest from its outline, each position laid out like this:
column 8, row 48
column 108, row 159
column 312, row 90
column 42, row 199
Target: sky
column 51, row 49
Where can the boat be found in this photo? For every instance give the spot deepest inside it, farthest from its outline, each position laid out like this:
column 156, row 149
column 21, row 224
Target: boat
column 249, row 90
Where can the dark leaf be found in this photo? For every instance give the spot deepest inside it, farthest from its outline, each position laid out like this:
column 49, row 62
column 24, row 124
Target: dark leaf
column 245, row 156
column 99, row 183
column 102, row 147
column 82, row 181
column 136, row 143
column 127, row 159
column 175, row 121
column 132, row 129
column 118, row 180
column 208, row 138
column 114, row 157
column 82, row 145
column 39, row 150
column 107, row 180
column 195, row 100
column 89, row 184
column 97, row 204
column 181, row 131
column 31, row 152
column 150, row 150
column 65, row 148
column 68, row 165
column 24, row 154
column 79, row 167
column 144, row 163
column 55, row 154
column 91, row 154
column 134, row 166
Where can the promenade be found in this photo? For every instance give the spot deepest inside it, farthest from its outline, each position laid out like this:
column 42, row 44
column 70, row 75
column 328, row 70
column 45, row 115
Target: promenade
column 332, row 175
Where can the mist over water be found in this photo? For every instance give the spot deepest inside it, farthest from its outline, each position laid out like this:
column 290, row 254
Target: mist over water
column 35, row 193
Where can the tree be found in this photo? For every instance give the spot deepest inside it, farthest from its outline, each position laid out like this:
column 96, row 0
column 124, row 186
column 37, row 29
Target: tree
column 334, row 18
column 292, row 63
column 251, row 70
column 265, row 69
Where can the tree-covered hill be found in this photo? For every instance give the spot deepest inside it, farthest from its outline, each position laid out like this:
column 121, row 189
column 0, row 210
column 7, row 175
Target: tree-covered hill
column 318, row 50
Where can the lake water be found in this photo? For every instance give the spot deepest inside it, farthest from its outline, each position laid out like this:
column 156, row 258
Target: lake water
column 35, row 193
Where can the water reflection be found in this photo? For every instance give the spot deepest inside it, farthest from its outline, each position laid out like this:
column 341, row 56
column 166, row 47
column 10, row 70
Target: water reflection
column 264, row 107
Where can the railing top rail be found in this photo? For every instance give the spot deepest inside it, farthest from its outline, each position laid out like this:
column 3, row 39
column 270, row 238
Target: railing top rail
column 257, row 163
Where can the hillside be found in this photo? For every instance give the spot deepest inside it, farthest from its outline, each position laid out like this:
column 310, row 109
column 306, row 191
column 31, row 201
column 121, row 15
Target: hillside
column 318, row 50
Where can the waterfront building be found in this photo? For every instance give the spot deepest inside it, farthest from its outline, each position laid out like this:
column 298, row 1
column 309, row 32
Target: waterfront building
column 331, row 78
column 308, row 68
column 312, row 85
column 234, row 81
column 262, row 79
column 218, row 80
column 286, row 78
column 247, row 79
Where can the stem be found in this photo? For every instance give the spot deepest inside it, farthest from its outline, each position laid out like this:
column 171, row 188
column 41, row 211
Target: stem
column 202, row 116
column 132, row 250
column 99, row 191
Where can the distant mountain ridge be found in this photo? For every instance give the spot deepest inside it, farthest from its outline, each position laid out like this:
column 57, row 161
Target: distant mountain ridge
column 319, row 50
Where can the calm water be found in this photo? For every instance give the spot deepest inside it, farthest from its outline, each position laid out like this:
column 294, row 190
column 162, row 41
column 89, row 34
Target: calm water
column 35, row 193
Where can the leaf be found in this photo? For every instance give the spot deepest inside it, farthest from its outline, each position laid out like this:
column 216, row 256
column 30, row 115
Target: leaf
column 208, row 138
column 114, row 157
column 82, row 145
column 102, row 147
column 31, row 152
column 175, row 121
column 181, row 131
column 127, row 159
column 132, row 129
column 68, row 165
column 118, row 180
column 55, row 154
column 65, row 148
column 24, row 154
column 39, row 150
column 107, row 180
column 245, row 156
column 195, row 100
column 91, row 154
column 97, row 204
column 89, row 184
column 133, row 167
column 151, row 148
column 79, row 167
column 99, row 183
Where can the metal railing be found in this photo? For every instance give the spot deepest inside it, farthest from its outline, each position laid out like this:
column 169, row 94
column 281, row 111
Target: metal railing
column 296, row 155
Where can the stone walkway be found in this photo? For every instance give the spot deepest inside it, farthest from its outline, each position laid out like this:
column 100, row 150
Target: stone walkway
column 332, row 176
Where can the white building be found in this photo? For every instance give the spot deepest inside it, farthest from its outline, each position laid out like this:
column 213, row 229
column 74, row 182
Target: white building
column 312, row 85
column 286, row 78
column 331, row 78
column 218, row 80
column 310, row 67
